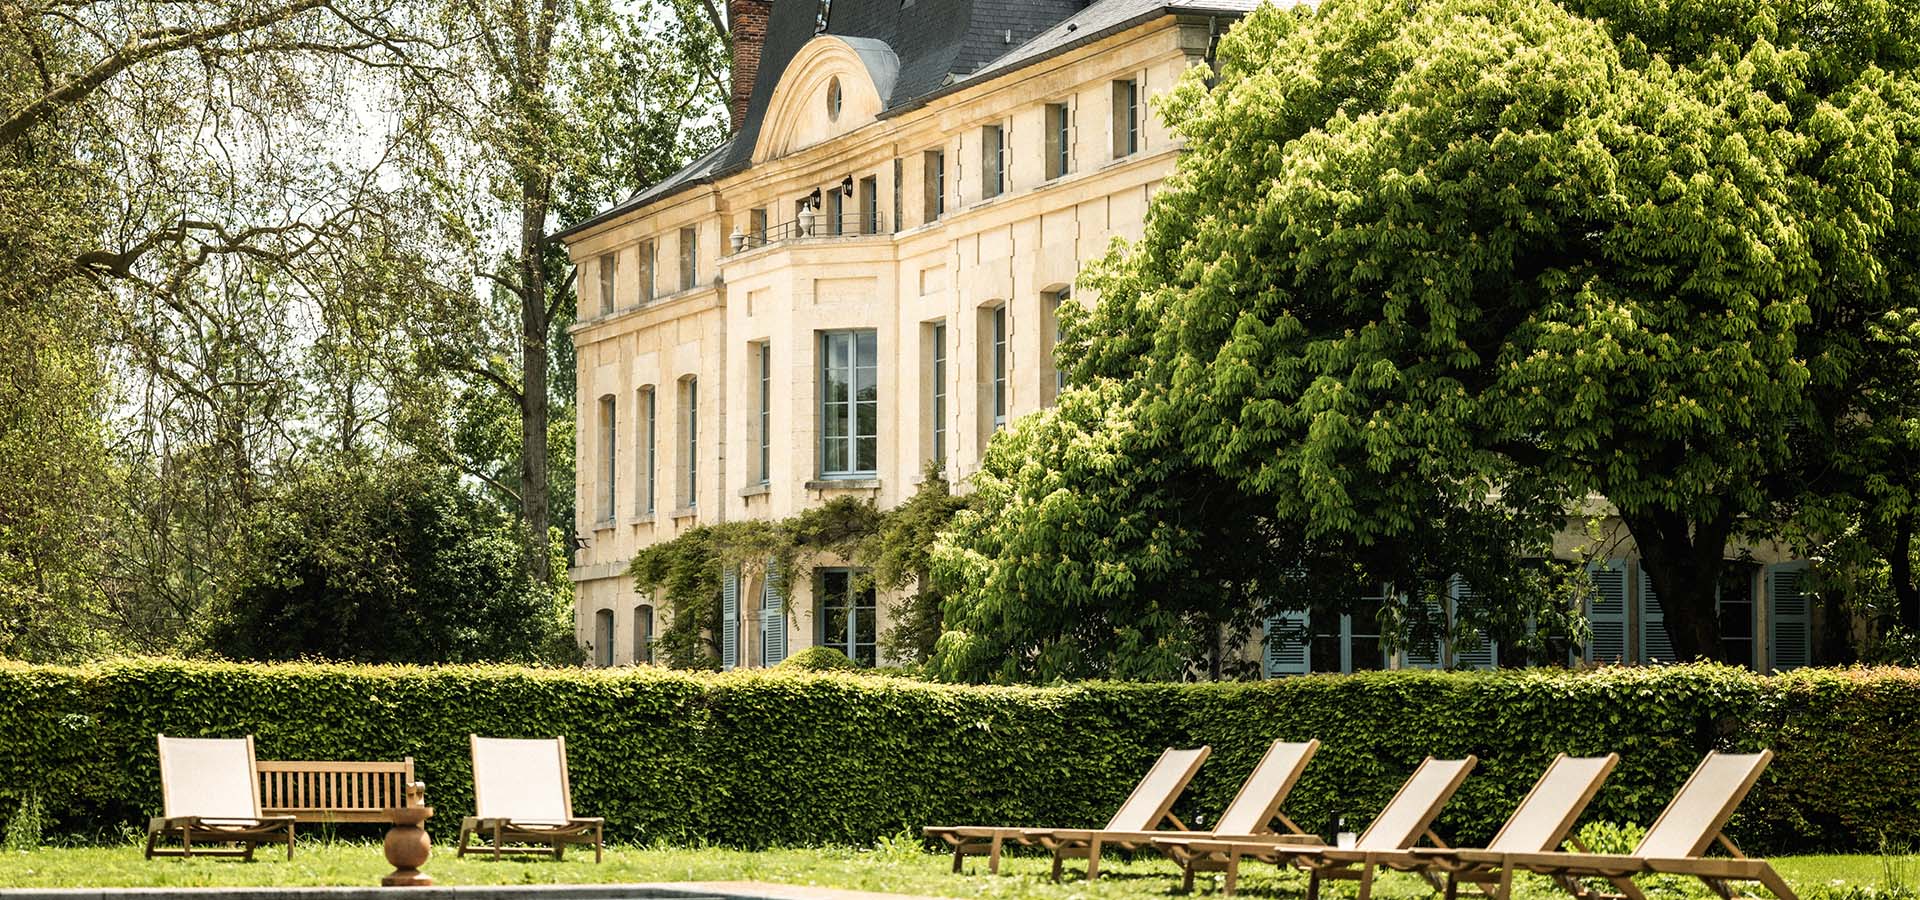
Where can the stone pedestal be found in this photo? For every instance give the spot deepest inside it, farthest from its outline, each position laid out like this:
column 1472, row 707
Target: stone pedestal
column 408, row 847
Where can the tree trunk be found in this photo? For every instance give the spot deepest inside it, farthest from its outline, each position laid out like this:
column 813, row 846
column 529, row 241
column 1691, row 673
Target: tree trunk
column 1899, row 553
column 1684, row 560
column 534, row 408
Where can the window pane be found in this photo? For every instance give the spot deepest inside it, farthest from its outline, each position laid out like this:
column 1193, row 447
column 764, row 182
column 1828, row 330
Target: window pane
column 867, row 455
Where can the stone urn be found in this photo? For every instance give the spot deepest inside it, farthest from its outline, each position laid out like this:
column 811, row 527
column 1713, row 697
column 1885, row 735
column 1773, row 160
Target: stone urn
column 407, row 845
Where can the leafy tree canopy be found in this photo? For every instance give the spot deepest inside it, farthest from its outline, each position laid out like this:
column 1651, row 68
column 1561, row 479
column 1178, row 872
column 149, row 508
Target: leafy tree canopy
column 1465, row 263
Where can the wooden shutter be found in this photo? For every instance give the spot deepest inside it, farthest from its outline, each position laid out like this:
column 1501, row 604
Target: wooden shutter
column 1655, row 646
column 1287, row 642
column 1607, row 612
column 730, row 618
column 1485, row 653
column 773, row 618
column 1789, row 617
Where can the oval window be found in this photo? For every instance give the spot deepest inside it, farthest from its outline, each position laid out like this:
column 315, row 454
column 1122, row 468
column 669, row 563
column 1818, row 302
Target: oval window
column 833, row 98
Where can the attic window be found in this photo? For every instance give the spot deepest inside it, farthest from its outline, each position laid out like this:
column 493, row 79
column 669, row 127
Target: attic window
column 833, row 98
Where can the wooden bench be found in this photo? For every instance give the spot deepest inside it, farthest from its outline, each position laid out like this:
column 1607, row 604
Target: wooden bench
column 325, row 791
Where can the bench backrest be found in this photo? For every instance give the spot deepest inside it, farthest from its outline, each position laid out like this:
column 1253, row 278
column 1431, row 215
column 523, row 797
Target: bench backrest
column 330, row 791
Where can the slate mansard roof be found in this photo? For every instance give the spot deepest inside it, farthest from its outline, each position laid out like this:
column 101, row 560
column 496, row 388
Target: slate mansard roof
column 940, row 46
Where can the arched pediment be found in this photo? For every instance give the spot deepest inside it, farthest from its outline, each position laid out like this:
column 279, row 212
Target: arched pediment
column 799, row 113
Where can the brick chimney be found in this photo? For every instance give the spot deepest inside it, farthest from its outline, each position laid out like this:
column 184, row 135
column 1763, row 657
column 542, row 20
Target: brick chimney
column 747, row 27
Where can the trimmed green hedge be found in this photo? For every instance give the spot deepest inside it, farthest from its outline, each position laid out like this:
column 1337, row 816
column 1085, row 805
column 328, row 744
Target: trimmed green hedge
column 754, row 758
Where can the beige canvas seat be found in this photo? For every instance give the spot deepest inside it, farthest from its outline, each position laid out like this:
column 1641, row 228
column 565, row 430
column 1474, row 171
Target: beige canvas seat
column 522, row 801
column 210, row 794
column 1677, row 843
column 1540, row 823
column 1150, row 804
column 1252, row 812
column 1406, row 819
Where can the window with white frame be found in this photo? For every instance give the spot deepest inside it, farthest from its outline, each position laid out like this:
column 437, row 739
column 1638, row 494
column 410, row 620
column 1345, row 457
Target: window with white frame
column 849, row 403
column 689, row 258
column 689, row 442
column 764, row 352
column 608, row 445
column 606, row 283
column 933, row 174
column 648, row 263
column 1059, row 140
column 603, row 638
column 643, row 634
column 1126, row 118
column 646, row 461
column 993, row 161
column 848, row 614
column 999, row 366
column 937, row 390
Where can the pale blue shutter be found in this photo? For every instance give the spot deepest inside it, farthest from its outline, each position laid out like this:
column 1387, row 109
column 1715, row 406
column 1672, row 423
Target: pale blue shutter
column 1485, row 654
column 1286, row 642
column 730, row 618
column 1655, row 647
column 1789, row 617
column 1607, row 612
column 773, row 618
column 1429, row 655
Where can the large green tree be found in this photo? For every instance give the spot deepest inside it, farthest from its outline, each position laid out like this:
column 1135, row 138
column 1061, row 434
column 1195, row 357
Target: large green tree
column 1466, row 256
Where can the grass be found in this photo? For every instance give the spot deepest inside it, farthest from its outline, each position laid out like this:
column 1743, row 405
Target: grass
column 900, row 866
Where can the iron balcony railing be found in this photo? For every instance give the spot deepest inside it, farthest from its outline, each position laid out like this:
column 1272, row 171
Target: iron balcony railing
column 818, row 225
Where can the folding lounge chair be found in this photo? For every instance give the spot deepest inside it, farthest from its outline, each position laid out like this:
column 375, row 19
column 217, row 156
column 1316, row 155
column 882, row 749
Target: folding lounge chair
column 1675, row 845
column 210, row 792
column 521, row 799
column 1406, row 819
column 1540, row 823
column 1150, row 804
column 1252, row 812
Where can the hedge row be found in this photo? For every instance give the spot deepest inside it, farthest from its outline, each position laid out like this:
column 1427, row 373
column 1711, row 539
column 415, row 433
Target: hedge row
column 757, row 758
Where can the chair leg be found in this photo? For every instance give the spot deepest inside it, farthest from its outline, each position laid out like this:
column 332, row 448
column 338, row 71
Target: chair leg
column 1093, row 859
column 496, row 840
column 1186, row 877
column 1452, row 890
column 1627, row 888
column 993, row 855
column 1505, row 890
column 1056, row 864
column 1366, row 882
column 959, row 853
column 461, row 849
column 599, row 843
column 1776, row 884
column 1232, row 882
column 1313, row 884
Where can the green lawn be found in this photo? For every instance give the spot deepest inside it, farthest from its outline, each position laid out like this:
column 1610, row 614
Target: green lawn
column 897, row 867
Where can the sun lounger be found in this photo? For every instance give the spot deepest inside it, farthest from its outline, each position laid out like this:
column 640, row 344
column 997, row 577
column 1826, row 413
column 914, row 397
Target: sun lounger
column 1251, row 813
column 1677, row 843
column 1406, row 819
column 1150, row 804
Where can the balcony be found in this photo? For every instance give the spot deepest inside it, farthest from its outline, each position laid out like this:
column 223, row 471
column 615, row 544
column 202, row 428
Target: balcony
column 808, row 226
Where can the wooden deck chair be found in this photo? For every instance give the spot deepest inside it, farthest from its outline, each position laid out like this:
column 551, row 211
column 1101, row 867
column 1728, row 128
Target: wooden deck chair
column 210, row 793
column 1677, row 843
column 522, row 800
column 1407, row 818
column 1540, row 823
column 1150, row 804
column 1252, row 812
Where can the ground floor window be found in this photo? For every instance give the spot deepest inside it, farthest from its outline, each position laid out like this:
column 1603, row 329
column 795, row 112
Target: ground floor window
column 849, row 616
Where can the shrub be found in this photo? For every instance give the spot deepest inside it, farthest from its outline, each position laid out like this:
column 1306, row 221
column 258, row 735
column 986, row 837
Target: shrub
column 820, row 659
column 761, row 757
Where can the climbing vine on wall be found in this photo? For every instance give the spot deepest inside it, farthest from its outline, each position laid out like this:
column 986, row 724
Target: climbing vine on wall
column 683, row 575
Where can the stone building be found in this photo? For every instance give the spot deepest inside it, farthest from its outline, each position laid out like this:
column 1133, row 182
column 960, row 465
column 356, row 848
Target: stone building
column 864, row 278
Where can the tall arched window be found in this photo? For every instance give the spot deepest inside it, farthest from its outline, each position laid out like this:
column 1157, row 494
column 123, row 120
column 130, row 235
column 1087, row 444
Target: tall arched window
column 608, row 445
column 603, row 638
column 643, row 634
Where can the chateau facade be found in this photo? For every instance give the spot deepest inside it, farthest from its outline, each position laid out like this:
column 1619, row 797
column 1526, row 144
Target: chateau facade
column 865, row 278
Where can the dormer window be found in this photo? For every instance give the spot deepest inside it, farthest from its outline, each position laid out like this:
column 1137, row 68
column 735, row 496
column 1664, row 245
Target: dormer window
column 833, row 98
